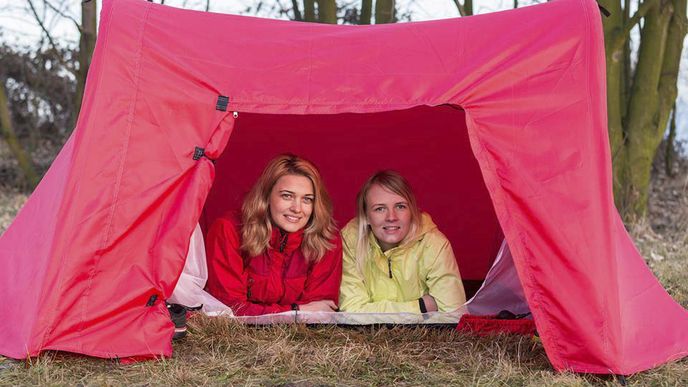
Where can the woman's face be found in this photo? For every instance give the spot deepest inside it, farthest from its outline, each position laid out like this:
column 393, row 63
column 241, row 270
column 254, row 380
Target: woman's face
column 291, row 202
column 389, row 216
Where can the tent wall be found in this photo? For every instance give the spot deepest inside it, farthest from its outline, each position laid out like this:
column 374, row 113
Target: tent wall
column 115, row 211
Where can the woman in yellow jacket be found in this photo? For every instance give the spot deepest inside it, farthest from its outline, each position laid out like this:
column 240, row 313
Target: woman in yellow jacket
column 395, row 258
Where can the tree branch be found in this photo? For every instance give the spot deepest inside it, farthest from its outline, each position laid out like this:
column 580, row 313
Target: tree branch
column 64, row 15
column 633, row 21
column 297, row 12
column 40, row 23
column 462, row 11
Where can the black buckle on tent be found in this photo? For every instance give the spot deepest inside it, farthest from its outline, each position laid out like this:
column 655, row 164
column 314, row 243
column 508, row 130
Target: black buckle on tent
column 222, row 102
column 151, row 300
column 200, row 152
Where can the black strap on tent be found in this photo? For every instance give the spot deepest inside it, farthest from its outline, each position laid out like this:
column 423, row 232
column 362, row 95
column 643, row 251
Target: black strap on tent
column 604, row 11
column 622, row 380
column 222, row 102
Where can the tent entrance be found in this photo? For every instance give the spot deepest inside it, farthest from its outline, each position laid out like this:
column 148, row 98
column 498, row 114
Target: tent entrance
column 428, row 145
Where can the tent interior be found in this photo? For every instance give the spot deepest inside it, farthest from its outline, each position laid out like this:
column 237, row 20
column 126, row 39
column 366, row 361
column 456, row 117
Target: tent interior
column 428, row 145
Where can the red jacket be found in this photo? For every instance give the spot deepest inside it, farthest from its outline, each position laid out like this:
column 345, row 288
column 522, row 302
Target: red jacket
column 272, row 281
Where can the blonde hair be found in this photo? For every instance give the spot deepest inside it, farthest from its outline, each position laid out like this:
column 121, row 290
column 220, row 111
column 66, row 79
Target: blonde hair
column 256, row 228
column 393, row 182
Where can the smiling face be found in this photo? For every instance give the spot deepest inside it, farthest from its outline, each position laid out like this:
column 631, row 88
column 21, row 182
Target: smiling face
column 389, row 216
column 291, row 202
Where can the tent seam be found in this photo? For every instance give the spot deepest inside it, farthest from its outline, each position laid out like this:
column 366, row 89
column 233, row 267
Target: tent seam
column 605, row 311
column 120, row 172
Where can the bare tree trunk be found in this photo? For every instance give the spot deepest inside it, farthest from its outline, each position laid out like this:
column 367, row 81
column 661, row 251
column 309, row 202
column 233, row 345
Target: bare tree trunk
column 327, row 11
column 309, row 10
column 639, row 101
column 515, row 4
column 634, row 172
column 24, row 160
column 385, row 11
column 366, row 11
column 295, row 8
column 613, row 28
column 466, row 9
column 87, row 44
column 670, row 152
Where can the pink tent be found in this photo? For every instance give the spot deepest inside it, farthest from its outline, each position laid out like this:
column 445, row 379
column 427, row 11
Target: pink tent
column 497, row 120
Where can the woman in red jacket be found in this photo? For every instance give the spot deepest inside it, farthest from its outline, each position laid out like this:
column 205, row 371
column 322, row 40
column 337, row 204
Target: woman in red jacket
column 285, row 252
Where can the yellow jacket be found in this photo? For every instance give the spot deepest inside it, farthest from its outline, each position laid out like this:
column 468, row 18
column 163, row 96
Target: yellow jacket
column 424, row 265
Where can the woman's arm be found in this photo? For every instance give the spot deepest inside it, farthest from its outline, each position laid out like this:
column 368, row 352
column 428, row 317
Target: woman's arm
column 227, row 279
column 354, row 295
column 325, row 276
column 443, row 279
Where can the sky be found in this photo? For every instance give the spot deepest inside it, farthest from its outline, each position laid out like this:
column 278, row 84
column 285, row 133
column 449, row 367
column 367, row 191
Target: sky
column 18, row 26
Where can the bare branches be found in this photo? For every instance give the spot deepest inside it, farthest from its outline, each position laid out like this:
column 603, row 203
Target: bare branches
column 62, row 13
column 41, row 24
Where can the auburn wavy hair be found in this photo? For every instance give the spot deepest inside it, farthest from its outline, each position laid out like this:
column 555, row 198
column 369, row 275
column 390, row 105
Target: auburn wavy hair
column 256, row 222
column 393, row 182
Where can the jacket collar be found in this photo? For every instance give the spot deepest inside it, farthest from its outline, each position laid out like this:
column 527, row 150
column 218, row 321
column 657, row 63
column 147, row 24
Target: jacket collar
column 285, row 242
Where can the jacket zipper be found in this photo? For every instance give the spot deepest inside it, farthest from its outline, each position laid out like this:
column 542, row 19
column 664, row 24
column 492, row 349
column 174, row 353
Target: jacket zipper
column 389, row 266
column 283, row 241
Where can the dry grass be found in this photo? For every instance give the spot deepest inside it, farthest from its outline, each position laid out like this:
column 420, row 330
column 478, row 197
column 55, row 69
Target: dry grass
column 219, row 352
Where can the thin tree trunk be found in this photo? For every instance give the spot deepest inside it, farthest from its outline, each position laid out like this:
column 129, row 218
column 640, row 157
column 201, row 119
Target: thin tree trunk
column 23, row 159
column 366, row 11
column 670, row 152
column 668, row 90
column 626, row 73
column 385, row 11
column 295, row 8
column 327, row 11
column 87, row 44
column 468, row 7
column 613, row 27
column 309, row 10
column 515, row 4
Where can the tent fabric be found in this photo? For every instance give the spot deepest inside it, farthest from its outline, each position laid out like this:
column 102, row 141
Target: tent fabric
column 501, row 289
column 102, row 241
column 189, row 288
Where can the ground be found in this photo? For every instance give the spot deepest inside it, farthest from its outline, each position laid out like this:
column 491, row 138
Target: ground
column 218, row 352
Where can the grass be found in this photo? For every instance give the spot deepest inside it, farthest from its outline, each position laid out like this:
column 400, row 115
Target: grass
column 220, row 352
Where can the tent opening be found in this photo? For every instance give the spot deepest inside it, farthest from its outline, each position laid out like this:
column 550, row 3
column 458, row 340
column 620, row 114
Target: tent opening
column 428, row 145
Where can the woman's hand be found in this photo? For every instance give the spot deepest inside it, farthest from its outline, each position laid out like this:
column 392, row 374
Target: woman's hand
column 319, row 306
column 430, row 304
